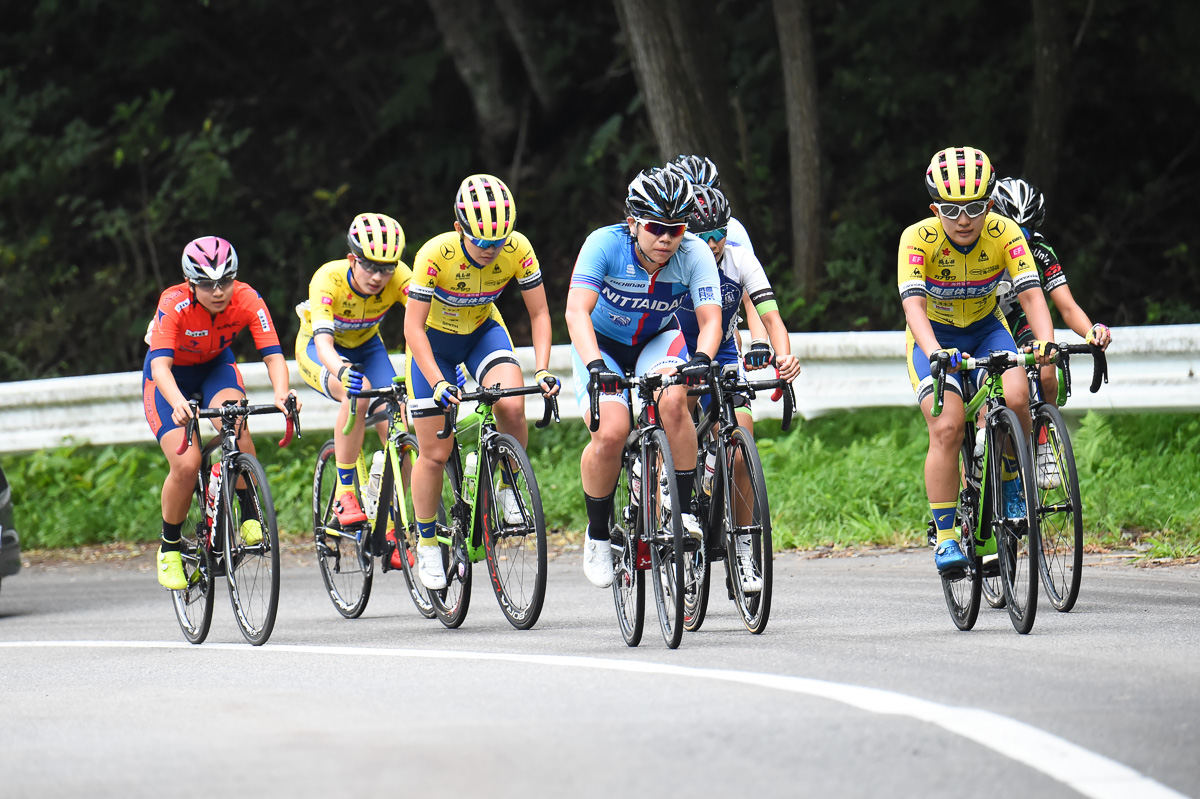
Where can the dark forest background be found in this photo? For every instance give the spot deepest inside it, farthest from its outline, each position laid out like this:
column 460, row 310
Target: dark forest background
column 129, row 128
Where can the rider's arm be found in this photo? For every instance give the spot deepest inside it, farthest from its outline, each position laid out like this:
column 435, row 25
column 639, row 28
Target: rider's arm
column 160, row 373
column 789, row 366
column 1033, row 301
column 540, row 324
column 918, row 322
column 754, row 322
column 1074, row 316
column 708, row 317
column 327, row 353
column 277, row 371
column 416, row 314
column 580, row 303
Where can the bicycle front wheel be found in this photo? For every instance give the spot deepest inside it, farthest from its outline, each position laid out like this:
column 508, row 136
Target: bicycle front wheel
column 1059, row 510
column 662, row 507
column 1013, row 516
column 251, row 549
column 193, row 605
column 747, row 530
column 346, row 567
column 452, row 602
column 514, row 532
column 962, row 587
column 629, row 586
column 406, row 532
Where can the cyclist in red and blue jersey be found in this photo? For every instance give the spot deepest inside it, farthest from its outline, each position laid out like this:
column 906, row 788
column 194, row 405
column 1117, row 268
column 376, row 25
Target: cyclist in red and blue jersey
column 629, row 280
column 190, row 338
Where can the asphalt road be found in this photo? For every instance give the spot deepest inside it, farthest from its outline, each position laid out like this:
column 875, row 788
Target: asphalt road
column 860, row 687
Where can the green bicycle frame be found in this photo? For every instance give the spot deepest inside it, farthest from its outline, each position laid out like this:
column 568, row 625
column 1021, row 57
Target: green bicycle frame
column 471, row 427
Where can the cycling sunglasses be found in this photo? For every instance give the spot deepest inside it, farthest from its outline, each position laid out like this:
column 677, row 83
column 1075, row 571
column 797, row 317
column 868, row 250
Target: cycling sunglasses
column 213, row 285
column 654, row 228
column 952, row 210
column 375, row 266
column 487, row 244
column 713, row 235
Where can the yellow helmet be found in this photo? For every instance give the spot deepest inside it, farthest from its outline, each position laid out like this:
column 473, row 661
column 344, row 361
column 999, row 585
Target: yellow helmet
column 485, row 208
column 376, row 237
column 960, row 174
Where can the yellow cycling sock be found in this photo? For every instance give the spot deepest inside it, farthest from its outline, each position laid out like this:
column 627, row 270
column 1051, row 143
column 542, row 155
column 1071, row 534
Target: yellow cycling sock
column 1008, row 467
column 346, row 474
column 943, row 520
column 426, row 531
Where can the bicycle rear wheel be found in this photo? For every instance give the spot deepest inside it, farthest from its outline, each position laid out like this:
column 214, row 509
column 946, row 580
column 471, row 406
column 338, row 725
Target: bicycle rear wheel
column 406, row 533
column 1059, row 509
column 962, row 588
column 347, row 569
column 747, row 516
column 251, row 566
column 665, row 535
column 629, row 584
column 698, row 567
column 193, row 605
column 1017, row 537
column 514, row 536
column 452, row 602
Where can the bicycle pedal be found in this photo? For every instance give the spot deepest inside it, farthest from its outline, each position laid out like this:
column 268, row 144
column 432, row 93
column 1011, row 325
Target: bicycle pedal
column 954, row 575
column 990, row 566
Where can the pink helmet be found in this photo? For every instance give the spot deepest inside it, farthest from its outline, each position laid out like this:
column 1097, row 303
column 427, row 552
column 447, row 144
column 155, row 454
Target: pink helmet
column 209, row 258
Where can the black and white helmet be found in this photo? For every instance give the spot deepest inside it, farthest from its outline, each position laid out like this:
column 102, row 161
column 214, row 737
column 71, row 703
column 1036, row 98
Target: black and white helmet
column 711, row 211
column 1021, row 202
column 697, row 169
column 659, row 194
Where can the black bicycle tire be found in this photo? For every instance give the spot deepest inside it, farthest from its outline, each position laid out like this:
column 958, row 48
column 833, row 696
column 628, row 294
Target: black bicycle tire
column 629, row 584
column 197, row 570
column 452, row 602
column 1020, row 597
column 237, row 557
column 697, row 594
column 346, row 601
column 522, row 614
column 755, row 612
column 1062, row 599
column 666, row 559
column 406, row 537
column 962, row 589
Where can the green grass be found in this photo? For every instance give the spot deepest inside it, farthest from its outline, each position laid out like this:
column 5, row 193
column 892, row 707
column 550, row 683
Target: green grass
column 847, row 479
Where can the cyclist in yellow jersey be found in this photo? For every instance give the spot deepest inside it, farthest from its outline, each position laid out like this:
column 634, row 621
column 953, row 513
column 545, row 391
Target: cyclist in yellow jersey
column 949, row 267
column 339, row 350
column 457, row 277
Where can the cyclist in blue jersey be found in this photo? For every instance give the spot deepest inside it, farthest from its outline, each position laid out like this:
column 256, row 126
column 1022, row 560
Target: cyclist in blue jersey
column 628, row 281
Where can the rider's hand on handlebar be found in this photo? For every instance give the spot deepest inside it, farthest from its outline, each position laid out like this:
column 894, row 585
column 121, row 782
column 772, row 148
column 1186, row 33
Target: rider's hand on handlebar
column 281, row 401
column 788, row 366
column 181, row 414
column 549, row 383
column 695, row 371
column 949, row 360
column 1044, row 351
column 1100, row 336
column 445, row 394
column 608, row 381
column 351, row 379
column 758, row 355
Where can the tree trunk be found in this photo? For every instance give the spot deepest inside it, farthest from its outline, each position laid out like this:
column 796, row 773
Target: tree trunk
column 477, row 60
column 800, row 100
column 1051, row 64
column 524, row 35
column 679, row 67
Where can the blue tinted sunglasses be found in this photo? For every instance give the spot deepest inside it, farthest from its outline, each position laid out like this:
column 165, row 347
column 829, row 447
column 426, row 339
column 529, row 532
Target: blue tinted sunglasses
column 713, row 235
column 487, row 244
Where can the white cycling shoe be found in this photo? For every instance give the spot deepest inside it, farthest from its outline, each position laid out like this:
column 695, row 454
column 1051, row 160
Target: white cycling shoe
column 752, row 582
column 597, row 562
column 1047, row 467
column 430, row 568
column 510, row 506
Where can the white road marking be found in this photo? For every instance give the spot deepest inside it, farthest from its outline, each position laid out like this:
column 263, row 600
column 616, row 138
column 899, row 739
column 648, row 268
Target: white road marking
column 1090, row 774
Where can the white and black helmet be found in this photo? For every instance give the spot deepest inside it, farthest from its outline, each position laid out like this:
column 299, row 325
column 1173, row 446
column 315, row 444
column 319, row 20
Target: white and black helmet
column 697, row 169
column 1021, row 202
column 659, row 194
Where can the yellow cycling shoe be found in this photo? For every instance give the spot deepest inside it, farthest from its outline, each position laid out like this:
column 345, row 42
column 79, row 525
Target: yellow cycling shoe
column 251, row 532
column 170, row 571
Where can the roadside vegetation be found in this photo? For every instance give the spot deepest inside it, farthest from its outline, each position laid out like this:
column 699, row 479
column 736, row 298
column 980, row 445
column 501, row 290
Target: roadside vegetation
column 844, row 480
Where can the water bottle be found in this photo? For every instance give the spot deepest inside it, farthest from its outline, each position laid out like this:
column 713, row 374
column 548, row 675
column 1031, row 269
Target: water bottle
column 635, row 479
column 979, row 447
column 710, row 469
column 470, row 464
column 374, row 478
column 210, row 495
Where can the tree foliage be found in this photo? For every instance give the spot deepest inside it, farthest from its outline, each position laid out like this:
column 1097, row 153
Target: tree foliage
column 126, row 129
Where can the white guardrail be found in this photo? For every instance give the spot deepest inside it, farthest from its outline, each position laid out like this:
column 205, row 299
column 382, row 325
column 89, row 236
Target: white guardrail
column 1151, row 368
